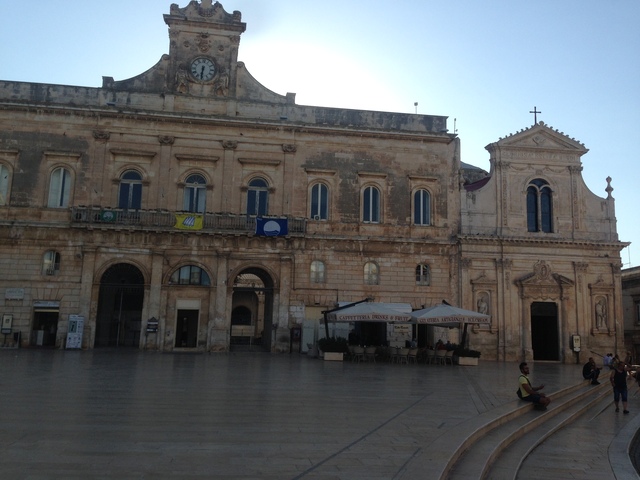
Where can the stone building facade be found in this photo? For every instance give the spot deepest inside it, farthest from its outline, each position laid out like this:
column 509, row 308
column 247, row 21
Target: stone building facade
column 631, row 310
column 190, row 208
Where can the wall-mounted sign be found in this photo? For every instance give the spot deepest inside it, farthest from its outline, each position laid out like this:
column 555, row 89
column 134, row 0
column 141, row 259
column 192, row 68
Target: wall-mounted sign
column 14, row 293
column 46, row 304
column 152, row 325
column 7, row 323
column 401, row 328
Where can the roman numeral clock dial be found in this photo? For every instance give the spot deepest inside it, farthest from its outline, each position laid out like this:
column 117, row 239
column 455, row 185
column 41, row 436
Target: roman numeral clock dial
column 203, row 69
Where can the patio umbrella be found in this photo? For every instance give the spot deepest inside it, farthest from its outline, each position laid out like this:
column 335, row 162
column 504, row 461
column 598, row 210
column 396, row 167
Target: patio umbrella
column 369, row 312
column 448, row 316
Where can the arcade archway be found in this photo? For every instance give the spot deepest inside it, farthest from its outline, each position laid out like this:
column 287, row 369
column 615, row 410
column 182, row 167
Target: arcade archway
column 120, row 301
column 252, row 310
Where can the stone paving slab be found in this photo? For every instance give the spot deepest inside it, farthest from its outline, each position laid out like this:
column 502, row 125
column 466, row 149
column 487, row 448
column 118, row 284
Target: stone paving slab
column 131, row 414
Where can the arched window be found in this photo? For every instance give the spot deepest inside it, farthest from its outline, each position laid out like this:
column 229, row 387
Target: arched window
column 195, row 193
column 4, row 185
column 423, row 275
column 371, row 205
column 50, row 263
column 59, row 188
column 371, row 274
column 319, row 202
column 257, row 197
column 190, row 275
column 539, row 206
column 130, row 195
column 317, row 272
column 422, row 207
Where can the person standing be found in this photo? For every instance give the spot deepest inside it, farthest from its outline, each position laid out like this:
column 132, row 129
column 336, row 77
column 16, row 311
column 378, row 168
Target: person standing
column 618, row 379
column 529, row 393
column 591, row 372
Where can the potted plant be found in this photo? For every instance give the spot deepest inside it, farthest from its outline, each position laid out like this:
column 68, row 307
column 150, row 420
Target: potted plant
column 466, row 356
column 334, row 348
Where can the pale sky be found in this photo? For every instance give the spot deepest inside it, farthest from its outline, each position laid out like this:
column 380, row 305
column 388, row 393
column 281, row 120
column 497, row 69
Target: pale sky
column 485, row 64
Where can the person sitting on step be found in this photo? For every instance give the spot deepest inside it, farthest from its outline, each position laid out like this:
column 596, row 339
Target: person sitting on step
column 529, row 393
column 591, row 372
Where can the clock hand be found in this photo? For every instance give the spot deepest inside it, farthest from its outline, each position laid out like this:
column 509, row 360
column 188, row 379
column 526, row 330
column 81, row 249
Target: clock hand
column 202, row 71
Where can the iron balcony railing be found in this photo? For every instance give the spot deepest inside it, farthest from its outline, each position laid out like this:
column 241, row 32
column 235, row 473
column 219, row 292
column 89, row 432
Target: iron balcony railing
column 164, row 219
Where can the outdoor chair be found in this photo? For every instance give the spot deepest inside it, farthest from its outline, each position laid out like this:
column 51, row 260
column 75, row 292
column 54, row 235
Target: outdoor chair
column 440, row 354
column 393, row 354
column 358, row 354
column 429, row 356
column 402, row 356
column 448, row 357
column 370, row 354
column 412, row 356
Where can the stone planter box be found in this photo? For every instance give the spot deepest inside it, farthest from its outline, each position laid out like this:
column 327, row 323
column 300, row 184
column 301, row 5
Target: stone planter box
column 334, row 356
column 467, row 361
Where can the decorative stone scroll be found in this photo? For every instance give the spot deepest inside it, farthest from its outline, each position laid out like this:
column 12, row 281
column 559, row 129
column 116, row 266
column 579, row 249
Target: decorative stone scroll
column 229, row 144
column 101, row 135
column 289, row 148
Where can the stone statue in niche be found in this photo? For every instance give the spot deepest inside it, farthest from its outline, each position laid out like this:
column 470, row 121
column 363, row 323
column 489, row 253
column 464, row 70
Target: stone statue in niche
column 601, row 313
column 483, row 306
column 182, row 85
column 221, row 85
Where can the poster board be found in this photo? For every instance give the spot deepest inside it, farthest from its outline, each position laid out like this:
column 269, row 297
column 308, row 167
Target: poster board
column 74, row 334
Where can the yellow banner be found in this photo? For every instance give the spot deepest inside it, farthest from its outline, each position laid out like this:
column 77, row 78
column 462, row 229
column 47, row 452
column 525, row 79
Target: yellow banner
column 188, row 221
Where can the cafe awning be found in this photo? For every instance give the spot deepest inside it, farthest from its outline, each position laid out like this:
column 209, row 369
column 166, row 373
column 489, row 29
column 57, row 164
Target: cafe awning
column 370, row 312
column 444, row 315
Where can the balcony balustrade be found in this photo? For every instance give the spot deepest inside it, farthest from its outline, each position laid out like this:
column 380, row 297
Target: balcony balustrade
column 164, row 219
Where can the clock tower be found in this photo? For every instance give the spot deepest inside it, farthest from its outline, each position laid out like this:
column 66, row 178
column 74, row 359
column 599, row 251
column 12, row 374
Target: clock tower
column 203, row 51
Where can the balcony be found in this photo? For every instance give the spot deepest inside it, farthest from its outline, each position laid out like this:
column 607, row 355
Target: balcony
column 228, row 223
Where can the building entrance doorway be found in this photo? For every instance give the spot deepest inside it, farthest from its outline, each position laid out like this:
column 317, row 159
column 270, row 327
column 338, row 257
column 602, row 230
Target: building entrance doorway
column 187, row 328
column 45, row 328
column 544, row 331
column 252, row 310
column 119, row 316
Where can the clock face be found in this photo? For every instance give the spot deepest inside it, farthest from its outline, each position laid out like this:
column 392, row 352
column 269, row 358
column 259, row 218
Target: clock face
column 203, row 69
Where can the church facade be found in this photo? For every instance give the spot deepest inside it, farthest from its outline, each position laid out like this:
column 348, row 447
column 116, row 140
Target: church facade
column 189, row 208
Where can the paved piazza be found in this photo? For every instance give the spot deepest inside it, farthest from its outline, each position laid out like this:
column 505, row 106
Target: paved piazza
column 132, row 414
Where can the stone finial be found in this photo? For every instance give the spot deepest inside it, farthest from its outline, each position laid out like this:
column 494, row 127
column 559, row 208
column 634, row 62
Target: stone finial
column 609, row 188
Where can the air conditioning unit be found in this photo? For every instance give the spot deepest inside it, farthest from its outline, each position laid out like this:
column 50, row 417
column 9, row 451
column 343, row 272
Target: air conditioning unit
column 316, row 217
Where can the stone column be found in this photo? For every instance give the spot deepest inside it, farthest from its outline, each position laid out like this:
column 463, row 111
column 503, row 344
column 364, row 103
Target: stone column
column 165, row 196
column 86, row 300
column 229, row 184
column 219, row 308
column 281, row 301
column 155, row 307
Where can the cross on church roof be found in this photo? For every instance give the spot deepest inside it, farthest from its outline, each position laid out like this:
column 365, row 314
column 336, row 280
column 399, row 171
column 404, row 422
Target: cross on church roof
column 535, row 114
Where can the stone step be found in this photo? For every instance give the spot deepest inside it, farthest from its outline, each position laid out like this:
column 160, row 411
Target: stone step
column 474, row 458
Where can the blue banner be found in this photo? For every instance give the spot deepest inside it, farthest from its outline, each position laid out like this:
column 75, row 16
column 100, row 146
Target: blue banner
column 272, row 227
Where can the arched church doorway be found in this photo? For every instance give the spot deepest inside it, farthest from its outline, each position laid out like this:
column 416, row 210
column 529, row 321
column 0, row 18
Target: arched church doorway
column 544, row 331
column 120, row 303
column 252, row 310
